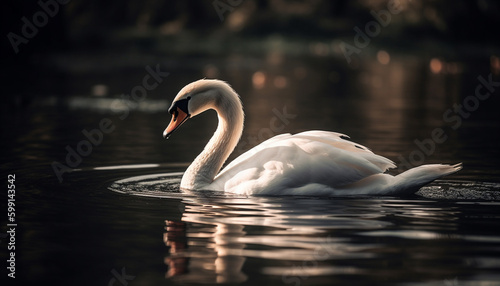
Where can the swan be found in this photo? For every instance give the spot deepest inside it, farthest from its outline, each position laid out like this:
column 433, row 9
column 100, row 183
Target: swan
column 311, row 163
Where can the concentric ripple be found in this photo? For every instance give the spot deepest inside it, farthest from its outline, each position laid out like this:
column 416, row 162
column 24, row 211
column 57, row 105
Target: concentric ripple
column 165, row 185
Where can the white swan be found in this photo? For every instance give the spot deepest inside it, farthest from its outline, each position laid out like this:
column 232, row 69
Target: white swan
column 316, row 163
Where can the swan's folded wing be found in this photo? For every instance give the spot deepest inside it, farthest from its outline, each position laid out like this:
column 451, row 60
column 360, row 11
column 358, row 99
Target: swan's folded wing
column 252, row 152
column 294, row 160
column 338, row 140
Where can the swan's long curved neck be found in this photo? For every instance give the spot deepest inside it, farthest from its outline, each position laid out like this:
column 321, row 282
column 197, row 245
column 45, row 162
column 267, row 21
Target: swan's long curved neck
column 209, row 162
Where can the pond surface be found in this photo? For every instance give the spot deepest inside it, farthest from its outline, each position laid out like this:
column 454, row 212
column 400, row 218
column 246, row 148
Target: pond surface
column 119, row 218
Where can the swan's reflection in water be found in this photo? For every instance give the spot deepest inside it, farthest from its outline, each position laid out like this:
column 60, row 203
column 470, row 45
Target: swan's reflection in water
column 217, row 262
column 175, row 238
column 211, row 243
column 321, row 241
column 230, row 257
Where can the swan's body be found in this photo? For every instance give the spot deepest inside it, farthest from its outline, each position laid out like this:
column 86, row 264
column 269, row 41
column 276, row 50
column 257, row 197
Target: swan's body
column 309, row 163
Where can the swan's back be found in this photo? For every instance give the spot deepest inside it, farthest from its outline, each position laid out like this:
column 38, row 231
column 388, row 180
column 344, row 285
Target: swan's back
column 308, row 163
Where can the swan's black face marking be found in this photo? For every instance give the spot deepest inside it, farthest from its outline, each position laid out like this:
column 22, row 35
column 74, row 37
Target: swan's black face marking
column 180, row 114
column 181, row 104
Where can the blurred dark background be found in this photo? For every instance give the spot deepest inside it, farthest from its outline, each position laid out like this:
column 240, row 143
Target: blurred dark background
column 463, row 28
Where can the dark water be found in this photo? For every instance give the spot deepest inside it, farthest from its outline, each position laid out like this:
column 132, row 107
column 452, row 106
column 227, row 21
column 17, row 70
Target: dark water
column 81, row 232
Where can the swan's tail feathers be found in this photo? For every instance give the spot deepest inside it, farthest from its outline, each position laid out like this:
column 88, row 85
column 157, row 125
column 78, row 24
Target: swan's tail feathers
column 411, row 181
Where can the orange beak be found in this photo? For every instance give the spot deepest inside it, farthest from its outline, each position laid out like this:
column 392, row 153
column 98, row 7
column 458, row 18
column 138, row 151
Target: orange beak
column 178, row 117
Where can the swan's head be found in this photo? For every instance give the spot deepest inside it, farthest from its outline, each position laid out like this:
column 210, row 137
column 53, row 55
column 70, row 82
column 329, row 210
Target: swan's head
column 194, row 99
